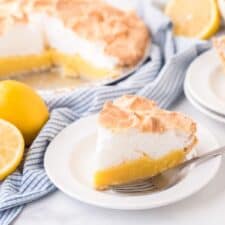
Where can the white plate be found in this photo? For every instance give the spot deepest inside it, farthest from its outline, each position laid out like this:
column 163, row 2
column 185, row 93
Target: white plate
column 201, row 108
column 205, row 81
column 68, row 163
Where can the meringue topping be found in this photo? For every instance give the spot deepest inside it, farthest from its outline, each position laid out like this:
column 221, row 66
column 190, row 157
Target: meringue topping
column 219, row 45
column 99, row 21
column 143, row 114
column 10, row 14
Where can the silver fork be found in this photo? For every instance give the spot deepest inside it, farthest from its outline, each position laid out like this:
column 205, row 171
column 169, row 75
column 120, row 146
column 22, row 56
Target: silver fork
column 167, row 178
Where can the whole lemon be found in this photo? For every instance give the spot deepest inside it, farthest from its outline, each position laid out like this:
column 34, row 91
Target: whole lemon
column 22, row 106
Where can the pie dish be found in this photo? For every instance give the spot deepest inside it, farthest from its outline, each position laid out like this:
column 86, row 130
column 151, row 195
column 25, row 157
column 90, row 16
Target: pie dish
column 87, row 39
column 137, row 139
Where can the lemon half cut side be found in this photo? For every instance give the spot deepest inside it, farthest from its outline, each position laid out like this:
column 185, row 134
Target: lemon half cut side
column 11, row 148
column 196, row 19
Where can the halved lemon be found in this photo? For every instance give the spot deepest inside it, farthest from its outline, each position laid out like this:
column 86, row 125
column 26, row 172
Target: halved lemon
column 11, row 148
column 194, row 18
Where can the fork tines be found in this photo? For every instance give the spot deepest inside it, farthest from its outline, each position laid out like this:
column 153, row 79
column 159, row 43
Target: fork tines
column 134, row 187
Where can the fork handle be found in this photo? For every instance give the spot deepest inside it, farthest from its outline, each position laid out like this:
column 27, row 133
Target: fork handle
column 204, row 157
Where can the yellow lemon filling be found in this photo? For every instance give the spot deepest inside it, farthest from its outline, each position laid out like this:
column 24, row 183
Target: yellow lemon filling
column 70, row 65
column 74, row 65
column 137, row 169
column 16, row 65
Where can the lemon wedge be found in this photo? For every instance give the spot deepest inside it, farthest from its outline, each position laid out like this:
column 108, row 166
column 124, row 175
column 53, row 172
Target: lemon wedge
column 11, row 148
column 191, row 18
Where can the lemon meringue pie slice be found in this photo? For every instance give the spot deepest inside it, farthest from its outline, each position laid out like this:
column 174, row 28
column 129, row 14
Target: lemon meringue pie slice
column 137, row 139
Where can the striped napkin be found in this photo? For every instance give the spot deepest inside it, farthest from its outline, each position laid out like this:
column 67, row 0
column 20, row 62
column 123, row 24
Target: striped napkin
column 160, row 78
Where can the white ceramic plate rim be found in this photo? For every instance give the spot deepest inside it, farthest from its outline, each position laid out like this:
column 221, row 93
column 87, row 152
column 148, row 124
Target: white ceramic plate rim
column 201, row 108
column 192, row 183
column 198, row 81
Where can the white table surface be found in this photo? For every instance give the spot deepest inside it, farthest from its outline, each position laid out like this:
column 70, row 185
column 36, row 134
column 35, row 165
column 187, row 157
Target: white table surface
column 205, row 207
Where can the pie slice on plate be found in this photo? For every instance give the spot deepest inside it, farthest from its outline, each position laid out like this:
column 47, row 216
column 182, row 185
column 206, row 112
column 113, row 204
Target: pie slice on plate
column 137, row 139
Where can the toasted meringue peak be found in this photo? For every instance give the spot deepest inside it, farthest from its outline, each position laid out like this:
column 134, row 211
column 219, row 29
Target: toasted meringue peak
column 134, row 103
column 33, row 6
column 219, row 45
column 143, row 114
column 10, row 13
column 219, row 42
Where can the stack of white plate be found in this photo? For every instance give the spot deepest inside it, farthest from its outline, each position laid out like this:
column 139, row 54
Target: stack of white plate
column 204, row 85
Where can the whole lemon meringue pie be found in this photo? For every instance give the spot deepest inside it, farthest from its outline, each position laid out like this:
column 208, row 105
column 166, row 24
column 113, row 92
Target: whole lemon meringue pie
column 85, row 38
column 137, row 139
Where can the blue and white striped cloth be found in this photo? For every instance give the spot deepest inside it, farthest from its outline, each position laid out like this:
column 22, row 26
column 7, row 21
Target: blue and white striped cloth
column 160, row 79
